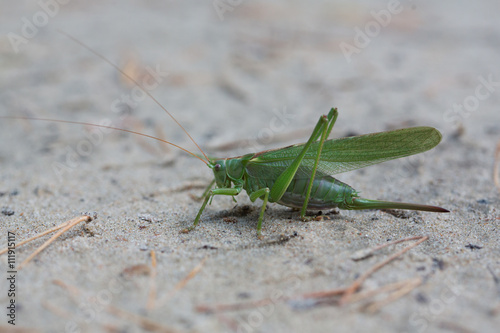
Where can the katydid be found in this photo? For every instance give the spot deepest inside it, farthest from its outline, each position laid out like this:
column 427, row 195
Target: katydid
column 299, row 176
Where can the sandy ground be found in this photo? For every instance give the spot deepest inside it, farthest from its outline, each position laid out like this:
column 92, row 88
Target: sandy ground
column 247, row 76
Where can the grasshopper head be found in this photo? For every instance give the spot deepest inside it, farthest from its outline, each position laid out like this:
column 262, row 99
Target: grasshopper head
column 219, row 169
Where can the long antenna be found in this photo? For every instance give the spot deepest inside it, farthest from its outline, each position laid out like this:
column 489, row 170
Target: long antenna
column 137, row 84
column 108, row 127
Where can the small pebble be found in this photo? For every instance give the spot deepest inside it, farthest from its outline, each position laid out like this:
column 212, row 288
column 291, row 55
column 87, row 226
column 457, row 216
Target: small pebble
column 7, row 211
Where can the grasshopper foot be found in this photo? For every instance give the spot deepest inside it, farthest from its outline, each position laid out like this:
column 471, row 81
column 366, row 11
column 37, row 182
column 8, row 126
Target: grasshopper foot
column 307, row 218
column 314, row 218
column 196, row 197
column 186, row 230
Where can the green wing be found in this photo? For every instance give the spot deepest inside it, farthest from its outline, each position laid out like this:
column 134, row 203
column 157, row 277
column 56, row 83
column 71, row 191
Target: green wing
column 346, row 154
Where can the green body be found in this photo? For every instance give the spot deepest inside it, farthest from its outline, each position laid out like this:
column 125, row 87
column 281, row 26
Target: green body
column 284, row 175
column 327, row 192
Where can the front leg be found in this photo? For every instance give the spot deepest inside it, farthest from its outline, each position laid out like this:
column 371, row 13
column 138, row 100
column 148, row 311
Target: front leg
column 207, row 189
column 217, row 191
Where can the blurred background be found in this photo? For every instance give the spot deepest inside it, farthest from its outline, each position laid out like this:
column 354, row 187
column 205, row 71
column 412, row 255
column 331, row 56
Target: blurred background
column 232, row 65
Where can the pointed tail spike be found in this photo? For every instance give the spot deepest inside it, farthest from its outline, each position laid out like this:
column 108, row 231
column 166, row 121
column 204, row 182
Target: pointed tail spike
column 361, row 203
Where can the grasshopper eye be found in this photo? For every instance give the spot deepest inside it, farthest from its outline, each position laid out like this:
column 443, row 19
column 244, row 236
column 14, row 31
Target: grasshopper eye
column 217, row 167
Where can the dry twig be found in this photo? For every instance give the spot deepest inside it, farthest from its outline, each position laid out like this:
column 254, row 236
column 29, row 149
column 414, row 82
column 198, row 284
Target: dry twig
column 152, row 284
column 182, row 283
column 63, row 227
column 404, row 288
column 363, row 254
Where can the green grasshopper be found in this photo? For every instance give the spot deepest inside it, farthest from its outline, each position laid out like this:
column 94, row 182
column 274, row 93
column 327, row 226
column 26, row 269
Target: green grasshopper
column 299, row 176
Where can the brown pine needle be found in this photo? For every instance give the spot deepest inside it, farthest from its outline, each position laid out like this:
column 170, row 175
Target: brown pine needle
column 141, row 321
column 152, row 285
column 191, row 275
column 182, row 283
column 363, row 254
column 36, row 236
column 454, row 327
column 356, row 297
column 63, row 313
column 496, row 168
column 359, row 281
column 73, row 291
column 234, row 307
column 153, row 259
column 324, row 294
column 387, row 288
column 403, row 290
column 63, row 228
